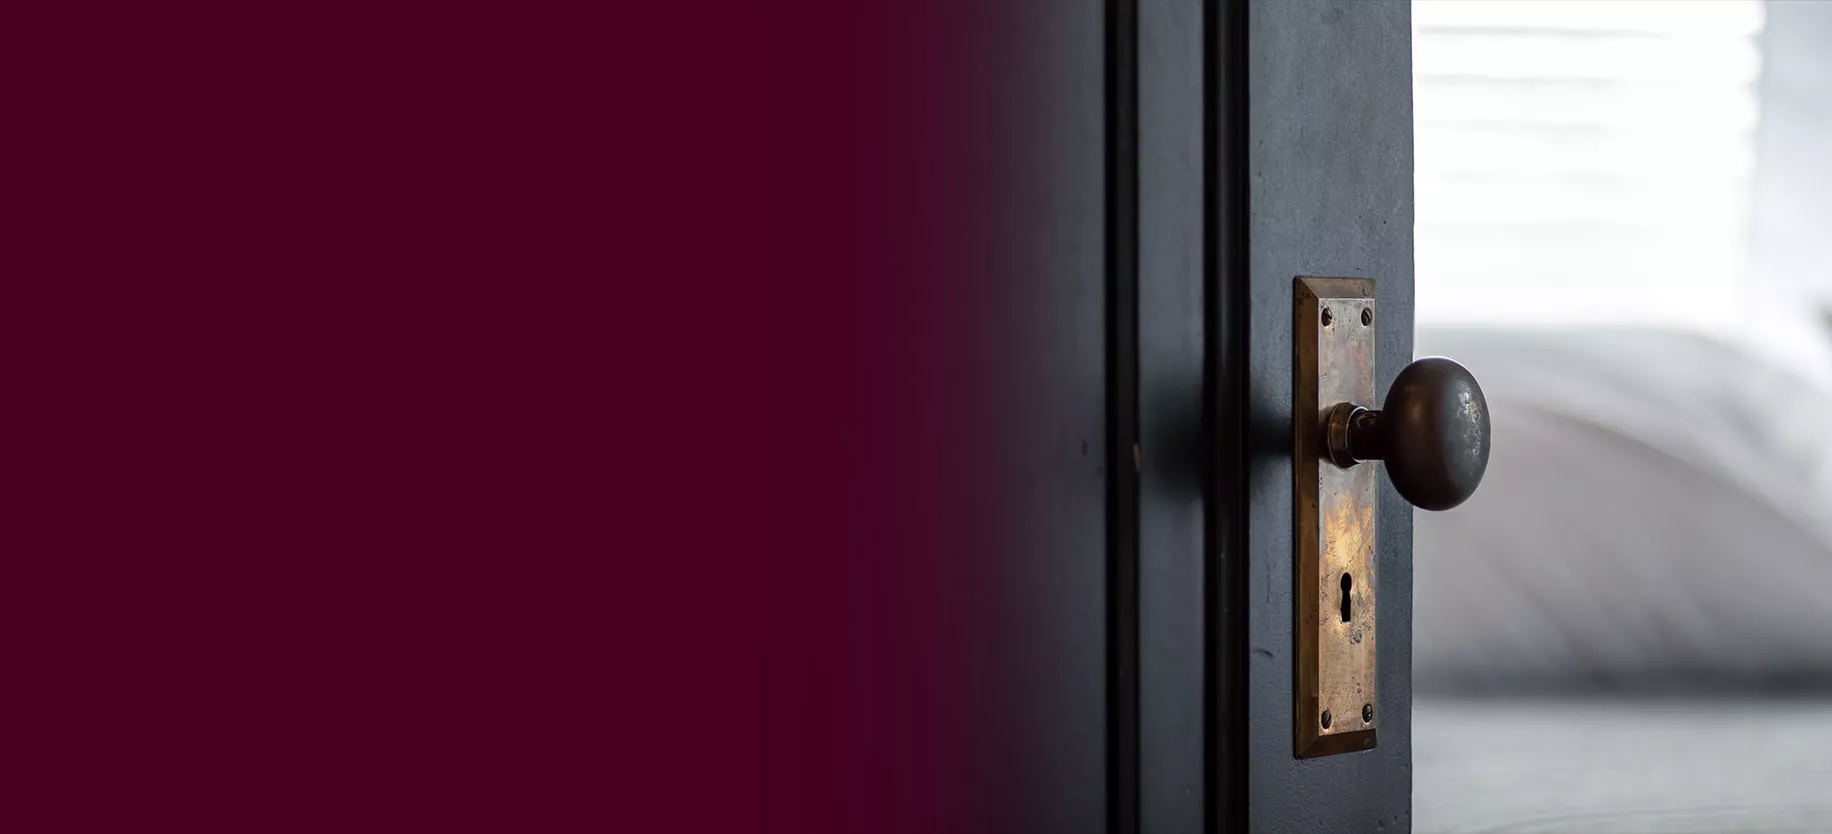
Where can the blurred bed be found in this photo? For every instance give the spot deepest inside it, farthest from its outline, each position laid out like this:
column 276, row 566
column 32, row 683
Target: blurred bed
column 1629, row 627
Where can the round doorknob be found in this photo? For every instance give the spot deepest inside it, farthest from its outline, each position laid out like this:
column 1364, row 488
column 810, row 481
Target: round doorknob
column 1432, row 431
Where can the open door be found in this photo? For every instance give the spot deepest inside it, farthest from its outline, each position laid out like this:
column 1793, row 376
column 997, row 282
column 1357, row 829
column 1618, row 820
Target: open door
column 1148, row 575
column 1043, row 443
column 1306, row 168
column 1314, row 231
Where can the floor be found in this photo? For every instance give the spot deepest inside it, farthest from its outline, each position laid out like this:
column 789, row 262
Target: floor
column 1617, row 766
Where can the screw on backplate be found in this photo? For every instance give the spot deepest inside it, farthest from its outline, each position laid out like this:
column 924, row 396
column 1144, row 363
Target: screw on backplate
column 1367, row 317
column 1326, row 317
column 1326, row 719
column 1367, row 713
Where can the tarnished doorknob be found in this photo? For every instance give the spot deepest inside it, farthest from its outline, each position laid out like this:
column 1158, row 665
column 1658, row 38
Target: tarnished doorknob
column 1432, row 432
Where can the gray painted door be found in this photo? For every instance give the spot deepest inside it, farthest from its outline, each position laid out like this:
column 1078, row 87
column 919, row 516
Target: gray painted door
column 1164, row 169
column 1327, row 159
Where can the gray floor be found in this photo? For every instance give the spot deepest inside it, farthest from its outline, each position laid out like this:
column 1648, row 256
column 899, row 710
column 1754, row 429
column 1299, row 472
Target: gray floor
column 1617, row 766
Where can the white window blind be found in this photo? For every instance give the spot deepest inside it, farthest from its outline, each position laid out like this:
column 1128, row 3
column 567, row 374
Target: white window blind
column 1584, row 161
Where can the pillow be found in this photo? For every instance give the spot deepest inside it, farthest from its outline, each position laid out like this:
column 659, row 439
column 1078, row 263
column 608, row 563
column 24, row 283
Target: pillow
column 1657, row 514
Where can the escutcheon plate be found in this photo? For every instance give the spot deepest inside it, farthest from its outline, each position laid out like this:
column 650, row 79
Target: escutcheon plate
column 1337, row 710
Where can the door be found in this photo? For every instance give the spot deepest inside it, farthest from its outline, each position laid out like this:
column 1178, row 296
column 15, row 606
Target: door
column 1310, row 171
column 1039, row 503
column 1301, row 113
column 1319, row 172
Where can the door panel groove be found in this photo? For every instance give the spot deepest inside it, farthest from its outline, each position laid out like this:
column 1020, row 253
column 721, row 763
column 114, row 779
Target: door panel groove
column 1123, row 453
column 1227, row 337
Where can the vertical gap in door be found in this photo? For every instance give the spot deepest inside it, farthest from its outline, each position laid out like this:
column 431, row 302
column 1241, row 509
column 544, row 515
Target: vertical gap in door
column 1122, row 417
column 1225, row 199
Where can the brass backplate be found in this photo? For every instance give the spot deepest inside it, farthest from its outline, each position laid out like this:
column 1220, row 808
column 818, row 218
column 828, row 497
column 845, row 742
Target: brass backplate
column 1337, row 710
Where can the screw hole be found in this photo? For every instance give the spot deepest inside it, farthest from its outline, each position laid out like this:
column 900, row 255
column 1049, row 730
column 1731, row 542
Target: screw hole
column 1327, row 316
column 1326, row 719
column 1367, row 317
column 1348, row 584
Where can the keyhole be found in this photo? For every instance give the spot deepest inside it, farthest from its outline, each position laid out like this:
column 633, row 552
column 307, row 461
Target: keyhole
column 1347, row 585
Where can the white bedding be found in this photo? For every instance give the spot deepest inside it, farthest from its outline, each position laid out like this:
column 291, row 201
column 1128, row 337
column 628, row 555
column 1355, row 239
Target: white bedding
column 1657, row 515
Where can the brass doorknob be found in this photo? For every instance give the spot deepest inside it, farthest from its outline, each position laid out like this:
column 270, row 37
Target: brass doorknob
column 1432, row 431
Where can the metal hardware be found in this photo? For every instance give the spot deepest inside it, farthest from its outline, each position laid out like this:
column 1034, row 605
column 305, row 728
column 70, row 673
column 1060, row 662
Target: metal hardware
column 1335, row 506
column 1432, row 431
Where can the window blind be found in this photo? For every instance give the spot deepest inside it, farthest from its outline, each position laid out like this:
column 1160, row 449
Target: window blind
column 1584, row 161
